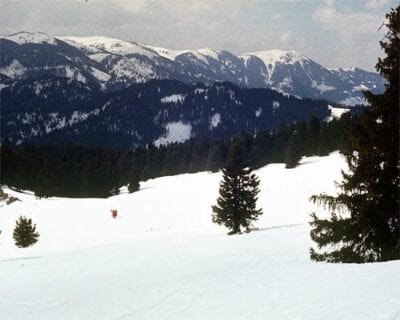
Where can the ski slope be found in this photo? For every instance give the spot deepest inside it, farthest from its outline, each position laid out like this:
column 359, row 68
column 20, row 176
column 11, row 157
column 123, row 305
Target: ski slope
column 162, row 258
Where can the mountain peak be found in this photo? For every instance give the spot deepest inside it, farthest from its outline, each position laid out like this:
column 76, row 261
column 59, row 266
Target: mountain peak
column 277, row 56
column 24, row 37
column 111, row 45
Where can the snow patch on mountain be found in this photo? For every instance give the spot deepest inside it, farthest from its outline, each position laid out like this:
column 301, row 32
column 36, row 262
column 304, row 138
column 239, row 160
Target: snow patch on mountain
column 112, row 45
column 175, row 132
column 276, row 56
column 14, row 70
column 353, row 101
column 215, row 121
column 322, row 87
column 100, row 75
column 27, row 37
column 98, row 57
column 336, row 113
column 165, row 53
column 174, row 98
column 213, row 54
column 275, row 105
column 360, row 87
column 132, row 69
column 74, row 74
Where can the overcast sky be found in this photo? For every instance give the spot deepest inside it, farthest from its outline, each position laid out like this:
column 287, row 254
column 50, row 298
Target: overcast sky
column 334, row 33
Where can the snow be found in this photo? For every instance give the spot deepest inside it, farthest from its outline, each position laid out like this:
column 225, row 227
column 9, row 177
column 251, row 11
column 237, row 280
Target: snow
column 98, row 57
column 78, row 116
column 170, row 54
column 163, row 258
column 27, row 37
column 213, row 54
column 215, row 120
column 14, row 70
column 133, row 69
column 360, row 87
column 271, row 58
column 277, row 56
column 166, row 53
column 352, row 101
column 174, row 98
column 175, row 132
column 100, row 75
column 336, row 112
column 322, row 87
column 73, row 73
column 111, row 45
column 199, row 91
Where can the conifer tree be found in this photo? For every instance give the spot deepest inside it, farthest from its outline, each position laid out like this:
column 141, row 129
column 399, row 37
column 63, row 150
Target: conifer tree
column 312, row 136
column 134, row 184
column 236, row 205
column 364, row 223
column 25, row 233
column 293, row 150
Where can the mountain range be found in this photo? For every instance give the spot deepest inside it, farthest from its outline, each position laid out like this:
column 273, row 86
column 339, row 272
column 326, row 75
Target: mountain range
column 61, row 110
column 112, row 64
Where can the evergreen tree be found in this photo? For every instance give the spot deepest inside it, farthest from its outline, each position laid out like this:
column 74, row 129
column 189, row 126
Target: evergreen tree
column 25, row 233
column 134, row 184
column 293, row 150
column 236, row 205
column 364, row 223
column 312, row 137
column 215, row 158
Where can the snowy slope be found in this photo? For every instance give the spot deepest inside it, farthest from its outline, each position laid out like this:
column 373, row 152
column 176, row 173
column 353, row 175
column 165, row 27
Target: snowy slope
column 123, row 63
column 27, row 37
column 107, row 44
column 164, row 259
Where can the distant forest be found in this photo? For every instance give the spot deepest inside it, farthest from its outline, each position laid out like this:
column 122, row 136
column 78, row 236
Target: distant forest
column 78, row 171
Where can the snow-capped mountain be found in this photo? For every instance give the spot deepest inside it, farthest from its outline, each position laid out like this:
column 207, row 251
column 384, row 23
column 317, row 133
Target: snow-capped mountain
column 112, row 64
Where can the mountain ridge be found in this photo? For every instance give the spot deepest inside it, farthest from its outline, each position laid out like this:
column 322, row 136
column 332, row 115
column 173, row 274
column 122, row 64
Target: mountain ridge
column 114, row 64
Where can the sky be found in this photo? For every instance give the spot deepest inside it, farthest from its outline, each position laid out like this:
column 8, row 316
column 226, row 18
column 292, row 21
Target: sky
column 334, row 33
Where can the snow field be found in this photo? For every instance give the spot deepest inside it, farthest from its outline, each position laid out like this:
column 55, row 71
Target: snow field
column 163, row 258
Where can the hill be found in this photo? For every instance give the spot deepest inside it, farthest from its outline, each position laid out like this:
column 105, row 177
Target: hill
column 163, row 258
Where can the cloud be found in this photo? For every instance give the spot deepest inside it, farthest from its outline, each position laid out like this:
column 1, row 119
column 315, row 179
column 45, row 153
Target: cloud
column 315, row 28
column 375, row 4
column 357, row 33
column 349, row 25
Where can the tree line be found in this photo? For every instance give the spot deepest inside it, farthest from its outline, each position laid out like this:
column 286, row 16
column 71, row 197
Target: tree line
column 79, row 171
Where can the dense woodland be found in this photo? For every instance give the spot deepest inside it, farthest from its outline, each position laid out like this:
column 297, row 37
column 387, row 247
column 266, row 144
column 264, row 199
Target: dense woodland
column 78, row 171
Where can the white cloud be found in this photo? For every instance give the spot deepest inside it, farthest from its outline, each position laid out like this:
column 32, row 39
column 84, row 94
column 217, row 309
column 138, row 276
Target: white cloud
column 348, row 25
column 374, row 4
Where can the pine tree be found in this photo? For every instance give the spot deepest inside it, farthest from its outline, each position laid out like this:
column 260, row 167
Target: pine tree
column 293, row 150
column 134, row 184
column 236, row 205
column 364, row 223
column 25, row 233
column 312, row 137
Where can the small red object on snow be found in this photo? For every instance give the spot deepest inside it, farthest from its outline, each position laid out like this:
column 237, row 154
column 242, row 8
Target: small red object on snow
column 114, row 213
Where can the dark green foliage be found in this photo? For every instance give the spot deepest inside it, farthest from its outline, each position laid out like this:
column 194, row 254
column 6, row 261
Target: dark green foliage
column 312, row 137
column 134, row 185
column 364, row 223
column 77, row 171
column 236, row 205
column 294, row 150
column 25, row 233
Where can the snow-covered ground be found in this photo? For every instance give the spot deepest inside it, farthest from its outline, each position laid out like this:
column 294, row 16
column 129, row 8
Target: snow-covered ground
column 162, row 258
